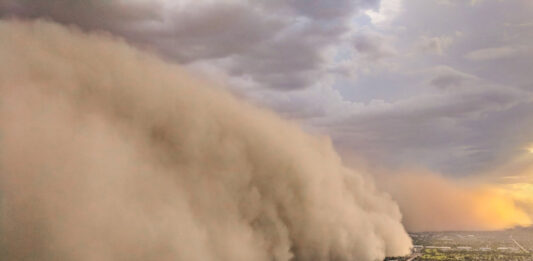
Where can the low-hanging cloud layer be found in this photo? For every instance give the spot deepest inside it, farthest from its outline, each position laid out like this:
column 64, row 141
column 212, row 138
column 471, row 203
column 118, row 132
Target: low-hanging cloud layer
column 111, row 154
column 279, row 44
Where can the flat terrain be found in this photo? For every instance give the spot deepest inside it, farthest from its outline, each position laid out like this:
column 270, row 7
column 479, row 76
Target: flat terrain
column 506, row 245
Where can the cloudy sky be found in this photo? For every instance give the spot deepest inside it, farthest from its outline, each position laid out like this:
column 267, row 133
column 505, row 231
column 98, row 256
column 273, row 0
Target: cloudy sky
column 439, row 85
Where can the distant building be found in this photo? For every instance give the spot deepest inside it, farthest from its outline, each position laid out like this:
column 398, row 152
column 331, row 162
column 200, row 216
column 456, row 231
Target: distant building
column 464, row 248
column 445, row 238
column 441, row 248
column 485, row 249
column 417, row 248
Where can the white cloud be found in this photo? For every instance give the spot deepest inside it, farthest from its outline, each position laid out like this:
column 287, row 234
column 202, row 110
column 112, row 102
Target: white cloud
column 387, row 11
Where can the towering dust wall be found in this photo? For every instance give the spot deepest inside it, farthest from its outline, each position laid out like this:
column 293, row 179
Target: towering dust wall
column 108, row 153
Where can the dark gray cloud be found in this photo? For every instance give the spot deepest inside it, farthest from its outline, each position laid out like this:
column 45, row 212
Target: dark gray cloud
column 430, row 105
column 446, row 77
column 435, row 45
column 459, row 132
column 278, row 44
column 208, row 32
column 322, row 9
column 373, row 46
column 91, row 14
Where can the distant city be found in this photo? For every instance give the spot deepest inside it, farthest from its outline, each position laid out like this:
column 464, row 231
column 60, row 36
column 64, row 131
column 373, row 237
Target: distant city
column 514, row 244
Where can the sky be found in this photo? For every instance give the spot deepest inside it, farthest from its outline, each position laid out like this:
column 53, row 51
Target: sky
column 439, row 87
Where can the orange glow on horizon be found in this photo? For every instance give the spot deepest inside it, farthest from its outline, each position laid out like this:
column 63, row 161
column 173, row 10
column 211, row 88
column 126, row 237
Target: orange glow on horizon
column 498, row 208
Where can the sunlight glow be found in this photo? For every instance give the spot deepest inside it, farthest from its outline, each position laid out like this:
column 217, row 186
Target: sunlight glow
column 498, row 209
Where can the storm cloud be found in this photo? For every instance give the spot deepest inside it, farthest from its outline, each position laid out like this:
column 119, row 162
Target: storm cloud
column 278, row 44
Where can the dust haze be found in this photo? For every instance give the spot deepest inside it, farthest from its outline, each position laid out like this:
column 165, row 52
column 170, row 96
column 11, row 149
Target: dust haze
column 431, row 202
column 108, row 153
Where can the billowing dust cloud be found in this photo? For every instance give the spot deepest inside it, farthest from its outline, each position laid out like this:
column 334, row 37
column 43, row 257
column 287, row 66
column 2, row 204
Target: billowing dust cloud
column 108, row 153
